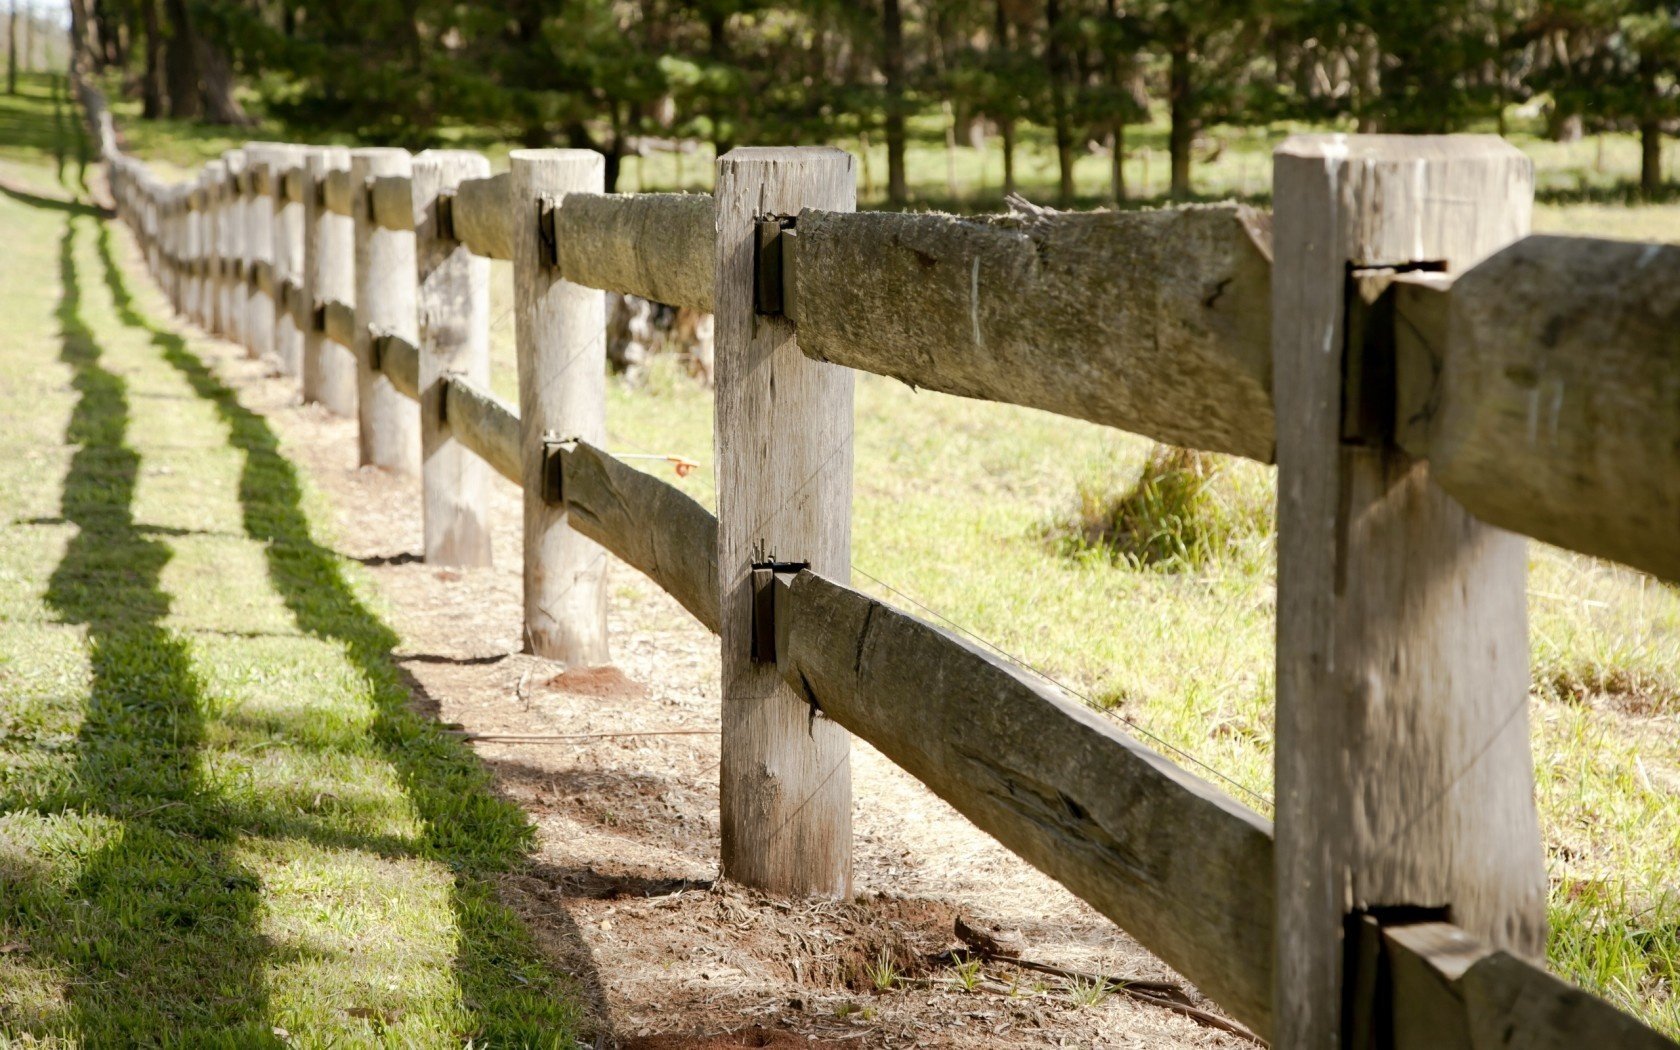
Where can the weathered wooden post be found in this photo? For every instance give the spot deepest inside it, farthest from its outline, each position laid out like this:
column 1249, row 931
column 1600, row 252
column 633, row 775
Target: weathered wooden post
column 783, row 438
column 329, row 275
column 290, row 315
column 1404, row 779
column 454, row 318
column 560, row 330
column 259, row 247
column 215, row 186
column 232, row 233
column 191, row 232
column 385, row 290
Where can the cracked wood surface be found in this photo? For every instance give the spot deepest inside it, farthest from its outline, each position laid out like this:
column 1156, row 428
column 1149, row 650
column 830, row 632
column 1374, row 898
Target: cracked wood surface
column 1167, row 856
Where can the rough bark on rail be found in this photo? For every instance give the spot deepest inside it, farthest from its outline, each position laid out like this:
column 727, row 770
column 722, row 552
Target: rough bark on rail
column 1154, row 322
column 392, row 200
column 1559, row 403
column 651, row 525
column 1449, row 991
column 660, row 246
column 486, row 424
column 399, row 359
column 481, row 216
column 1168, row 857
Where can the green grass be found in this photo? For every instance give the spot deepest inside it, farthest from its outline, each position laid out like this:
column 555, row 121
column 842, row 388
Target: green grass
column 221, row 824
column 969, row 512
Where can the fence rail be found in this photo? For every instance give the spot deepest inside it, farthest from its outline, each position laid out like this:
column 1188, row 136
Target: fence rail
column 1407, row 364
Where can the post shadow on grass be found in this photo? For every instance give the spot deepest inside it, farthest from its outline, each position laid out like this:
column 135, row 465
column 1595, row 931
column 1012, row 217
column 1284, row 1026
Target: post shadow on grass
column 159, row 928
column 507, row 988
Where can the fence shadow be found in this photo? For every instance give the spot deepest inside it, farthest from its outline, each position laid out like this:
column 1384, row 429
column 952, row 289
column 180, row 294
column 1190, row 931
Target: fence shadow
column 511, row 994
column 160, row 926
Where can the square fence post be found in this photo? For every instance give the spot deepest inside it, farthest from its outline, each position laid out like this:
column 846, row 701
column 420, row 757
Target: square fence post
column 231, row 285
column 1404, row 778
column 560, row 328
column 289, row 316
column 454, row 321
column 783, row 439
column 385, row 291
column 329, row 275
column 260, row 162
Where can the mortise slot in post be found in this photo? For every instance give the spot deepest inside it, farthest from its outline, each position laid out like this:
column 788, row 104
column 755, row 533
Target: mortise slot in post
column 769, row 293
column 764, row 576
column 554, row 468
column 1369, row 384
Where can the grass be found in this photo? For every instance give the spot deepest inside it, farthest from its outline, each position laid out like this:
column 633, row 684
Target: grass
column 221, row 823
column 997, row 521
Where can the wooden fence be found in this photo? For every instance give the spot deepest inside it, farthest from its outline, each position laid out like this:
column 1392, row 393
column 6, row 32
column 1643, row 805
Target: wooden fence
column 1424, row 374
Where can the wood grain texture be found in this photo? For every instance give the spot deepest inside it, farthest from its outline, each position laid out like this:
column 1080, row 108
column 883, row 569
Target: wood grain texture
column 389, row 432
column 651, row 525
column 391, row 199
column 454, row 320
column 1402, row 766
column 1560, row 397
column 1155, row 322
column 560, row 332
column 487, row 425
column 291, row 317
column 783, row 439
column 230, row 227
column 329, row 276
column 1486, row 999
column 1167, row 856
column 482, row 216
column 660, row 246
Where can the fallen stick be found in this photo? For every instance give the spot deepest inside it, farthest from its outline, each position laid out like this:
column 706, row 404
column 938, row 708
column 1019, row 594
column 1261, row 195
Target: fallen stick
column 1154, row 993
column 567, row 738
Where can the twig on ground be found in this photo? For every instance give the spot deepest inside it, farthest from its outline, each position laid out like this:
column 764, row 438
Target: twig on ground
column 567, row 738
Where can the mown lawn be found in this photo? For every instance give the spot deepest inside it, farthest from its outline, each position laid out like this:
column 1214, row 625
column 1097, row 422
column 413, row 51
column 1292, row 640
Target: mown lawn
column 984, row 515
column 220, row 822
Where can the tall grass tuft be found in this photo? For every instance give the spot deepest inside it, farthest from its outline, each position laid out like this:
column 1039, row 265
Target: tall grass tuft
column 1186, row 511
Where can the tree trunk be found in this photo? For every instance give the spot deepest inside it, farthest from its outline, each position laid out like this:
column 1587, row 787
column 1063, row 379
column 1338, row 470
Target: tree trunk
column 892, row 66
column 181, row 64
column 717, row 31
column 1055, row 56
column 220, row 105
column 1006, row 133
column 1183, row 131
column 1117, row 161
column 1650, row 156
column 151, row 79
column 11, row 52
column 81, row 35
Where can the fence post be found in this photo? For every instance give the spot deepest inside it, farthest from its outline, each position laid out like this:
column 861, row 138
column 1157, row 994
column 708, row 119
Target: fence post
column 1404, row 778
column 454, row 322
column 290, row 315
column 232, row 226
column 385, row 288
column 194, row 209
column 259, row 248
column 210, row 227
column 560, row 329
column 329, row 275
column 783, row 440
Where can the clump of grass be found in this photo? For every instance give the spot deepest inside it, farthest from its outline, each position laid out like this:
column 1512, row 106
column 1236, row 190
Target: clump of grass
column 967, row 970
column 1185, row 511
column 1088, row 991
column 882, row 973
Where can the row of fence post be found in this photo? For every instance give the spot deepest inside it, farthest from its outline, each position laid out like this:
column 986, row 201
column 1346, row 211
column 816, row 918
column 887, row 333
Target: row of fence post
column 1404, row 780
column 251, row 251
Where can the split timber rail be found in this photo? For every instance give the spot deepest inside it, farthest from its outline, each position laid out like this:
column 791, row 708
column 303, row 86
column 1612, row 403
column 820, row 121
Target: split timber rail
column 1432, row 382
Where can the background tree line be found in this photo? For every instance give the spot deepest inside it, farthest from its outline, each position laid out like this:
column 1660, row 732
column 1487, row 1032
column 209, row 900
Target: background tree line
column 607, row 74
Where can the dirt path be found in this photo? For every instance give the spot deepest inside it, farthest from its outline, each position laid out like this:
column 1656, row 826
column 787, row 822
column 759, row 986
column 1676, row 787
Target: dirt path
column 621, row 891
